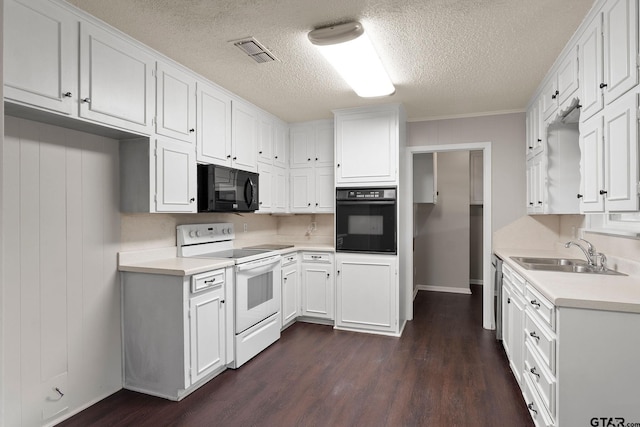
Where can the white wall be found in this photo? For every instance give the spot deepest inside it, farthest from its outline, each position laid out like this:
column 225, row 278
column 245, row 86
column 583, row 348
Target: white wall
column 506, row 132
column 61, row 293
column 441, row 256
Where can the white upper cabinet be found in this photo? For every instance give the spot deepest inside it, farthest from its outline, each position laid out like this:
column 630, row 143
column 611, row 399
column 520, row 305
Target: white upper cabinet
column 302, row 182
column 266, row 188
column 324, row 189
column 40, row 55
column 367, row 144
column 620, row 35
column 265, row 140
column 621, row 154
column 534, row 130
column 244, row 136
column 280, row 144
column 591, row 165
column 568, row 77
column 175, row 103
column 175, row 177
column 213, row 126
column 311, row 144
column 548, row 99
column 590, row 57
column 281, row 190
column 116, row 80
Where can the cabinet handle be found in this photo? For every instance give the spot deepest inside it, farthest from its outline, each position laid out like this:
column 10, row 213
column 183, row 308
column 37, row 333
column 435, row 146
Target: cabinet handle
column 308, row 204
column 530, row 406
column 259, row 152
column 260, row 203
column 580, row 196
column 508, row 300
column 533, row 371
column 535, row 303
column 534, row 335
column 276, row 157
column 210, row 281
column 539, row 140
column 234, row 159
column 328, row 275
column 221, row 301
column 59, row 392
column 316, row 204
column 86, row 100
column 338, row 164
column 530, row 203
column 285, row 279
column 539, row 202
column 603, row 192
column 191, row 200
column 228, row 156
column 316, row 159
column 530, row 147
column 192, row 130
column 309, row 159
column 67, row 94
column 603, row 85
column 555, row 95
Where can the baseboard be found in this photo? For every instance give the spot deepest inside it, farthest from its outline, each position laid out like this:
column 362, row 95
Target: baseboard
column 449, row 289
column 476, row 282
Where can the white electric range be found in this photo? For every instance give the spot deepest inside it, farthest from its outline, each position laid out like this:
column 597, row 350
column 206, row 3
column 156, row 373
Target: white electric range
column 256, row 284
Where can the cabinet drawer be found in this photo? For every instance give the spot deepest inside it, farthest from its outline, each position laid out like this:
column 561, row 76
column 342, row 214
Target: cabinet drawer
column 541, row 306
column 507, row 272
column 542, row 380
column 316, row 257
column 539, row 414
column 208, row 280
column 517, row 282
column 289, row 259
column 542, row 340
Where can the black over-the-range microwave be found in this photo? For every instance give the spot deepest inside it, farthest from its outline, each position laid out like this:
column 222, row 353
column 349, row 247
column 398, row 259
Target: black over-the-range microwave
column 222, row 189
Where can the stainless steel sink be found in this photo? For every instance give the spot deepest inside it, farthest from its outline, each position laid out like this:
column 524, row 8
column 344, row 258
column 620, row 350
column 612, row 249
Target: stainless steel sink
column 566, row 265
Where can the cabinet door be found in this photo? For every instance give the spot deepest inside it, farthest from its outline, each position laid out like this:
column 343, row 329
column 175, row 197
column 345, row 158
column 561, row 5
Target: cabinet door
column 621, row 154
column 590, row 57
column 265, row 188
column 530, row 189
column 325, row 194
column 317, row 291
column 367, row 145
column 620, row 30
column 506, row 331
column 323, row 145
column 568, row 77
column 476, row 177
column 214, row 126
column 538, row 183
column 207, row 331
column 281, row 190
column 302, row 190
column 265, row 140
column 366, row 292
column 516, row 332
column 244, row 136
column 116, row 81
column 290, row 299
column 549, row 98
column 301, row 142
column 280, row 139
column 175, row 103
column 42, row 38
column 591, row 165
column 175, row 176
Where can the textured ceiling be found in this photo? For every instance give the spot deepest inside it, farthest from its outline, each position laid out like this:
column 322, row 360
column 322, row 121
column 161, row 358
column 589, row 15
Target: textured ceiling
column 445, row 57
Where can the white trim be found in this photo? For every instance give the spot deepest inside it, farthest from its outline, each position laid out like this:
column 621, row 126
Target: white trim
column 467, row 116
column 488, row 321
column 476, row 282
column 450, row 289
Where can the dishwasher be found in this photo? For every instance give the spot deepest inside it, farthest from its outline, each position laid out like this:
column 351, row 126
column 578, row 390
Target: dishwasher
column 496, row 265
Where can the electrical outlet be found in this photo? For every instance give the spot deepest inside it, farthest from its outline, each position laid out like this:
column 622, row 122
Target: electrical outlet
column 245, row 227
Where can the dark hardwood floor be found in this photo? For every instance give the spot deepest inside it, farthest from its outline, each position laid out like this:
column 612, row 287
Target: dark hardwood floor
column 444, row 371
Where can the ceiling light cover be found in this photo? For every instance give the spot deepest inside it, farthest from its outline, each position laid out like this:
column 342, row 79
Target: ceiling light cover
column 350, row 52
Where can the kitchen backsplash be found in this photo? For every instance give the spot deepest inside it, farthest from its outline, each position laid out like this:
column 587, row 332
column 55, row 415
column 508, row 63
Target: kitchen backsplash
column 150, row 231
column 553, row 231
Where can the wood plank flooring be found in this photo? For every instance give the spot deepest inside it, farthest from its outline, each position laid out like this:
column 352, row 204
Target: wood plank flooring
column 445, row 370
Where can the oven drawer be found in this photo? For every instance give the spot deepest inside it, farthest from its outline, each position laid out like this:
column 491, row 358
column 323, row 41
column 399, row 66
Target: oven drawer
column 324, row 257
column 208, row 280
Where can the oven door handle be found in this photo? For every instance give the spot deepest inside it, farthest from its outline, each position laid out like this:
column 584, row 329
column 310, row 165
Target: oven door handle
column 248, row 198
column 366, row 202
column 259, row 264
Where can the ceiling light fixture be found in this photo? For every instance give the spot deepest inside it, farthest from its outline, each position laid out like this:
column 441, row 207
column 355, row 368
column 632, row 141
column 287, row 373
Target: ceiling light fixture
column 350, row 52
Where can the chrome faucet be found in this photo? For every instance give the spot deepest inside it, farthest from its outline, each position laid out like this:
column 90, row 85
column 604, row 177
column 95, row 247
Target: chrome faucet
column 594, row 259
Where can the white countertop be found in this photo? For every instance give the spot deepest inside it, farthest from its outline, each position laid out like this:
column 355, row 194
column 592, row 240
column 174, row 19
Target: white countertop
column 581, row 290
column 165, row 261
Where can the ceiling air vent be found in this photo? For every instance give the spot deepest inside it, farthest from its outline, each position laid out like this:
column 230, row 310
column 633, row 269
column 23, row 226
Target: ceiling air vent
column 255, row 50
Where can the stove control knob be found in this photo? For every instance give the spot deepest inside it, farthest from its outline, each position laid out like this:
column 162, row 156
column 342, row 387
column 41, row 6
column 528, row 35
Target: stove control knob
column 229, row 230
column 199, row 233
column 224, row 230
column 192, row 234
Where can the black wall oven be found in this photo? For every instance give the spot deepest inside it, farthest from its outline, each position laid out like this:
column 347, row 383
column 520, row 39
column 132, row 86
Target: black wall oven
column 366, row 220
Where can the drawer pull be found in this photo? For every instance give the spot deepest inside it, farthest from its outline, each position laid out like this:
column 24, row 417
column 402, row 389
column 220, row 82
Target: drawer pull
column 533, row 371
column 59, row 392
column 530, row 406
column 535, row 303
column 210, row 281
column 534, row 335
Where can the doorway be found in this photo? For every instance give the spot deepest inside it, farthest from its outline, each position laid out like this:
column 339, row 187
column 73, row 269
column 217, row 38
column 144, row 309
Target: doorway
column 488, row 321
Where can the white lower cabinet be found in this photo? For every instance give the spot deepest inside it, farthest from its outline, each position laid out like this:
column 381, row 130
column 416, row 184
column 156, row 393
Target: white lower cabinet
column 513, row 320
column 367, row 293
column 290, row 289
column 174, row 331
column 575, row 366
column 317, row 283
